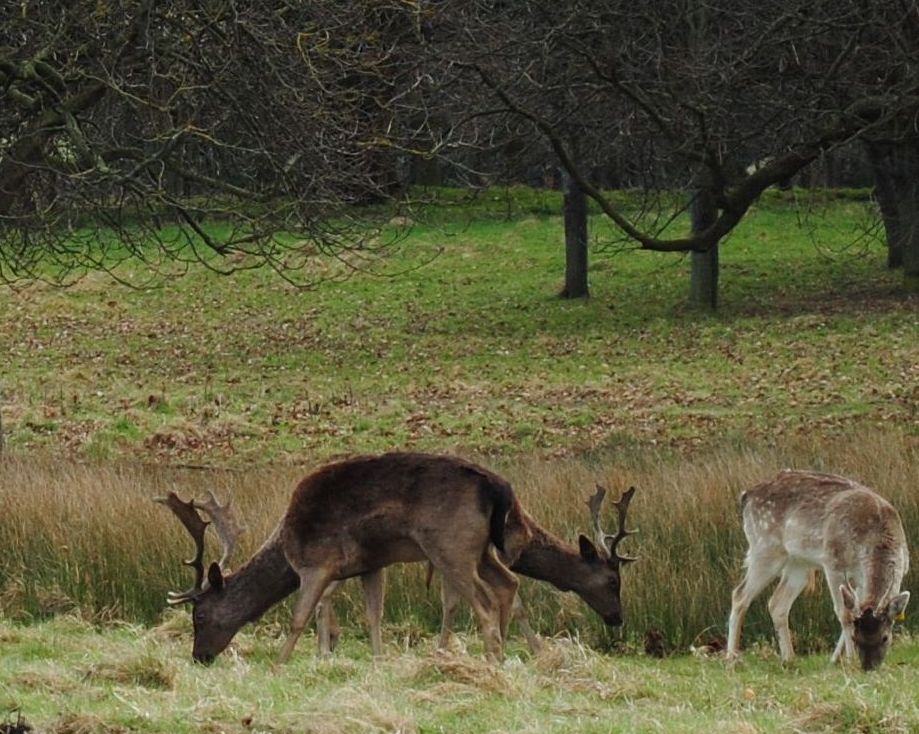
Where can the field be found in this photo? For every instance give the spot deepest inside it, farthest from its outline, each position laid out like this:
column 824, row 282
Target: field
column 68, row 676
column 454, row 342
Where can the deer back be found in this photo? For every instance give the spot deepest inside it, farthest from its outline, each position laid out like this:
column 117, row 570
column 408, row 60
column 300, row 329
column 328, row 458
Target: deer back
column 832, row 522
column 376, row 510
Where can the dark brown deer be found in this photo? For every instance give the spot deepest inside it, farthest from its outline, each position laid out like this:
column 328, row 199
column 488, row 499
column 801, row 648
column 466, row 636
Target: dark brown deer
column 353, row 518
column 800, row 522
column 591, row 570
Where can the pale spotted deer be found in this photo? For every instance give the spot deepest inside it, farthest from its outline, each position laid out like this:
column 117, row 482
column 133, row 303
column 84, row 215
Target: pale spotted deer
column 590, row 569
column 802, row 521
column 353, row 518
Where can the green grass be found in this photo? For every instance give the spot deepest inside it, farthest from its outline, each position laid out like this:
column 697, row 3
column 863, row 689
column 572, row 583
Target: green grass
column 454, row 342
column 459, row 342
column 116, row 679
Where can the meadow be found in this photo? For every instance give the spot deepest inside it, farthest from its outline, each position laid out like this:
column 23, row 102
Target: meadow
column 454, row 341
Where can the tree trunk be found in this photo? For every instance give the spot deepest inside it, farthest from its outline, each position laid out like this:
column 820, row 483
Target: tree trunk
column 896, row 174
column 883, row 164
column 575, row 212
column 909, row 227
column 703, row 281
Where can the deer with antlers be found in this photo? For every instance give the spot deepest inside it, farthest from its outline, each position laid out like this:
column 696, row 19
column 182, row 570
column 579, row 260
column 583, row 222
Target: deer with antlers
column 803, row 521
column 353, row 518
column 590, row 569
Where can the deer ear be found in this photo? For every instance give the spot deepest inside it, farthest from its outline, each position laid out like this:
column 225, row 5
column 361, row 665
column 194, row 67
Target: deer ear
column 215, row 576
column 588, row 549
column 897, row 606
column 848, row 598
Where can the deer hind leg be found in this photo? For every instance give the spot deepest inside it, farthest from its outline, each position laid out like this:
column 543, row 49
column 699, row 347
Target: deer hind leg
column 794, row 579
column 313, row 582
column 761, row 570
column 327, row 629
column 374, row 584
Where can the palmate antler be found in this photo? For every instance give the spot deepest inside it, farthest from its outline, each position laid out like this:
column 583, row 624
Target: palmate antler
column 610, row 543
column 225, row 523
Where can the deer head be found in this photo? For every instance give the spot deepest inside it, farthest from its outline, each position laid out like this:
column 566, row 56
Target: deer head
column 212, row 630
column 870, row 628
column 600, row 587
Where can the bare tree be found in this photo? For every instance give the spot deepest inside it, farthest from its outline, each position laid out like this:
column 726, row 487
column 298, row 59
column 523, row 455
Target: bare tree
column 688, row 92
column 125, row 126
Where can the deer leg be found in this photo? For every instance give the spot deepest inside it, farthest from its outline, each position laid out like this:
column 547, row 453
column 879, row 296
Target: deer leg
column 327, row 629
column 760, row 571
column 844, row 644
column 449, row 600
column 504, row 585
column 374, row 584
column 792, row 583
column 520, row 616
column 484, row 603
column 313, row 582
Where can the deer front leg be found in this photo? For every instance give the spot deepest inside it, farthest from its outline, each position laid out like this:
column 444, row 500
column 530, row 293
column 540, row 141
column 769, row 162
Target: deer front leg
column 486, row 606
column 374, row 584
column 313, row 582
column 327, row 629
column 520, row 616
column 845, row 645
column 503, row 585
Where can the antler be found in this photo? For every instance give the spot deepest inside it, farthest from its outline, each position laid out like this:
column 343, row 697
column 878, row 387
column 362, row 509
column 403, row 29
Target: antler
column 192, row 521
column 609, row 543
column 594, row 503
column 226, row 524
column 622, row 507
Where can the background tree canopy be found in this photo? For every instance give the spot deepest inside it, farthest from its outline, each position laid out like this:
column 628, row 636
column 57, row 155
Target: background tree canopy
column 124, row 126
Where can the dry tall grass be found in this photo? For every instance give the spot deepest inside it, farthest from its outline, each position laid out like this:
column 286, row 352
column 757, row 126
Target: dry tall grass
column 88, row 537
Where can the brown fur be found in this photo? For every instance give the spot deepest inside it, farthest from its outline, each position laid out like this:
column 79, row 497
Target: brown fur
column 531, row 550
column 355, row 517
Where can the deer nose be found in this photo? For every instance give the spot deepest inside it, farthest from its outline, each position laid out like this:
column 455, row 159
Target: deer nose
column 614, row 619
column 206, row 659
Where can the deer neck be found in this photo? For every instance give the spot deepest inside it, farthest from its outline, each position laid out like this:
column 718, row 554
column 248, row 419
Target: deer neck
column 547, row 557
column 881, row 579
column 262, row 582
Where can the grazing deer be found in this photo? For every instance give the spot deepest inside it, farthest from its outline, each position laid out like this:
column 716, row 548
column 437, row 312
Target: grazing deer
column 800, row 522
column 353, row 518
column 591, row 570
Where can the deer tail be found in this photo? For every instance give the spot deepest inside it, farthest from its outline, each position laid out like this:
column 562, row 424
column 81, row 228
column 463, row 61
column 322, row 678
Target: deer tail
column 503, row 502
